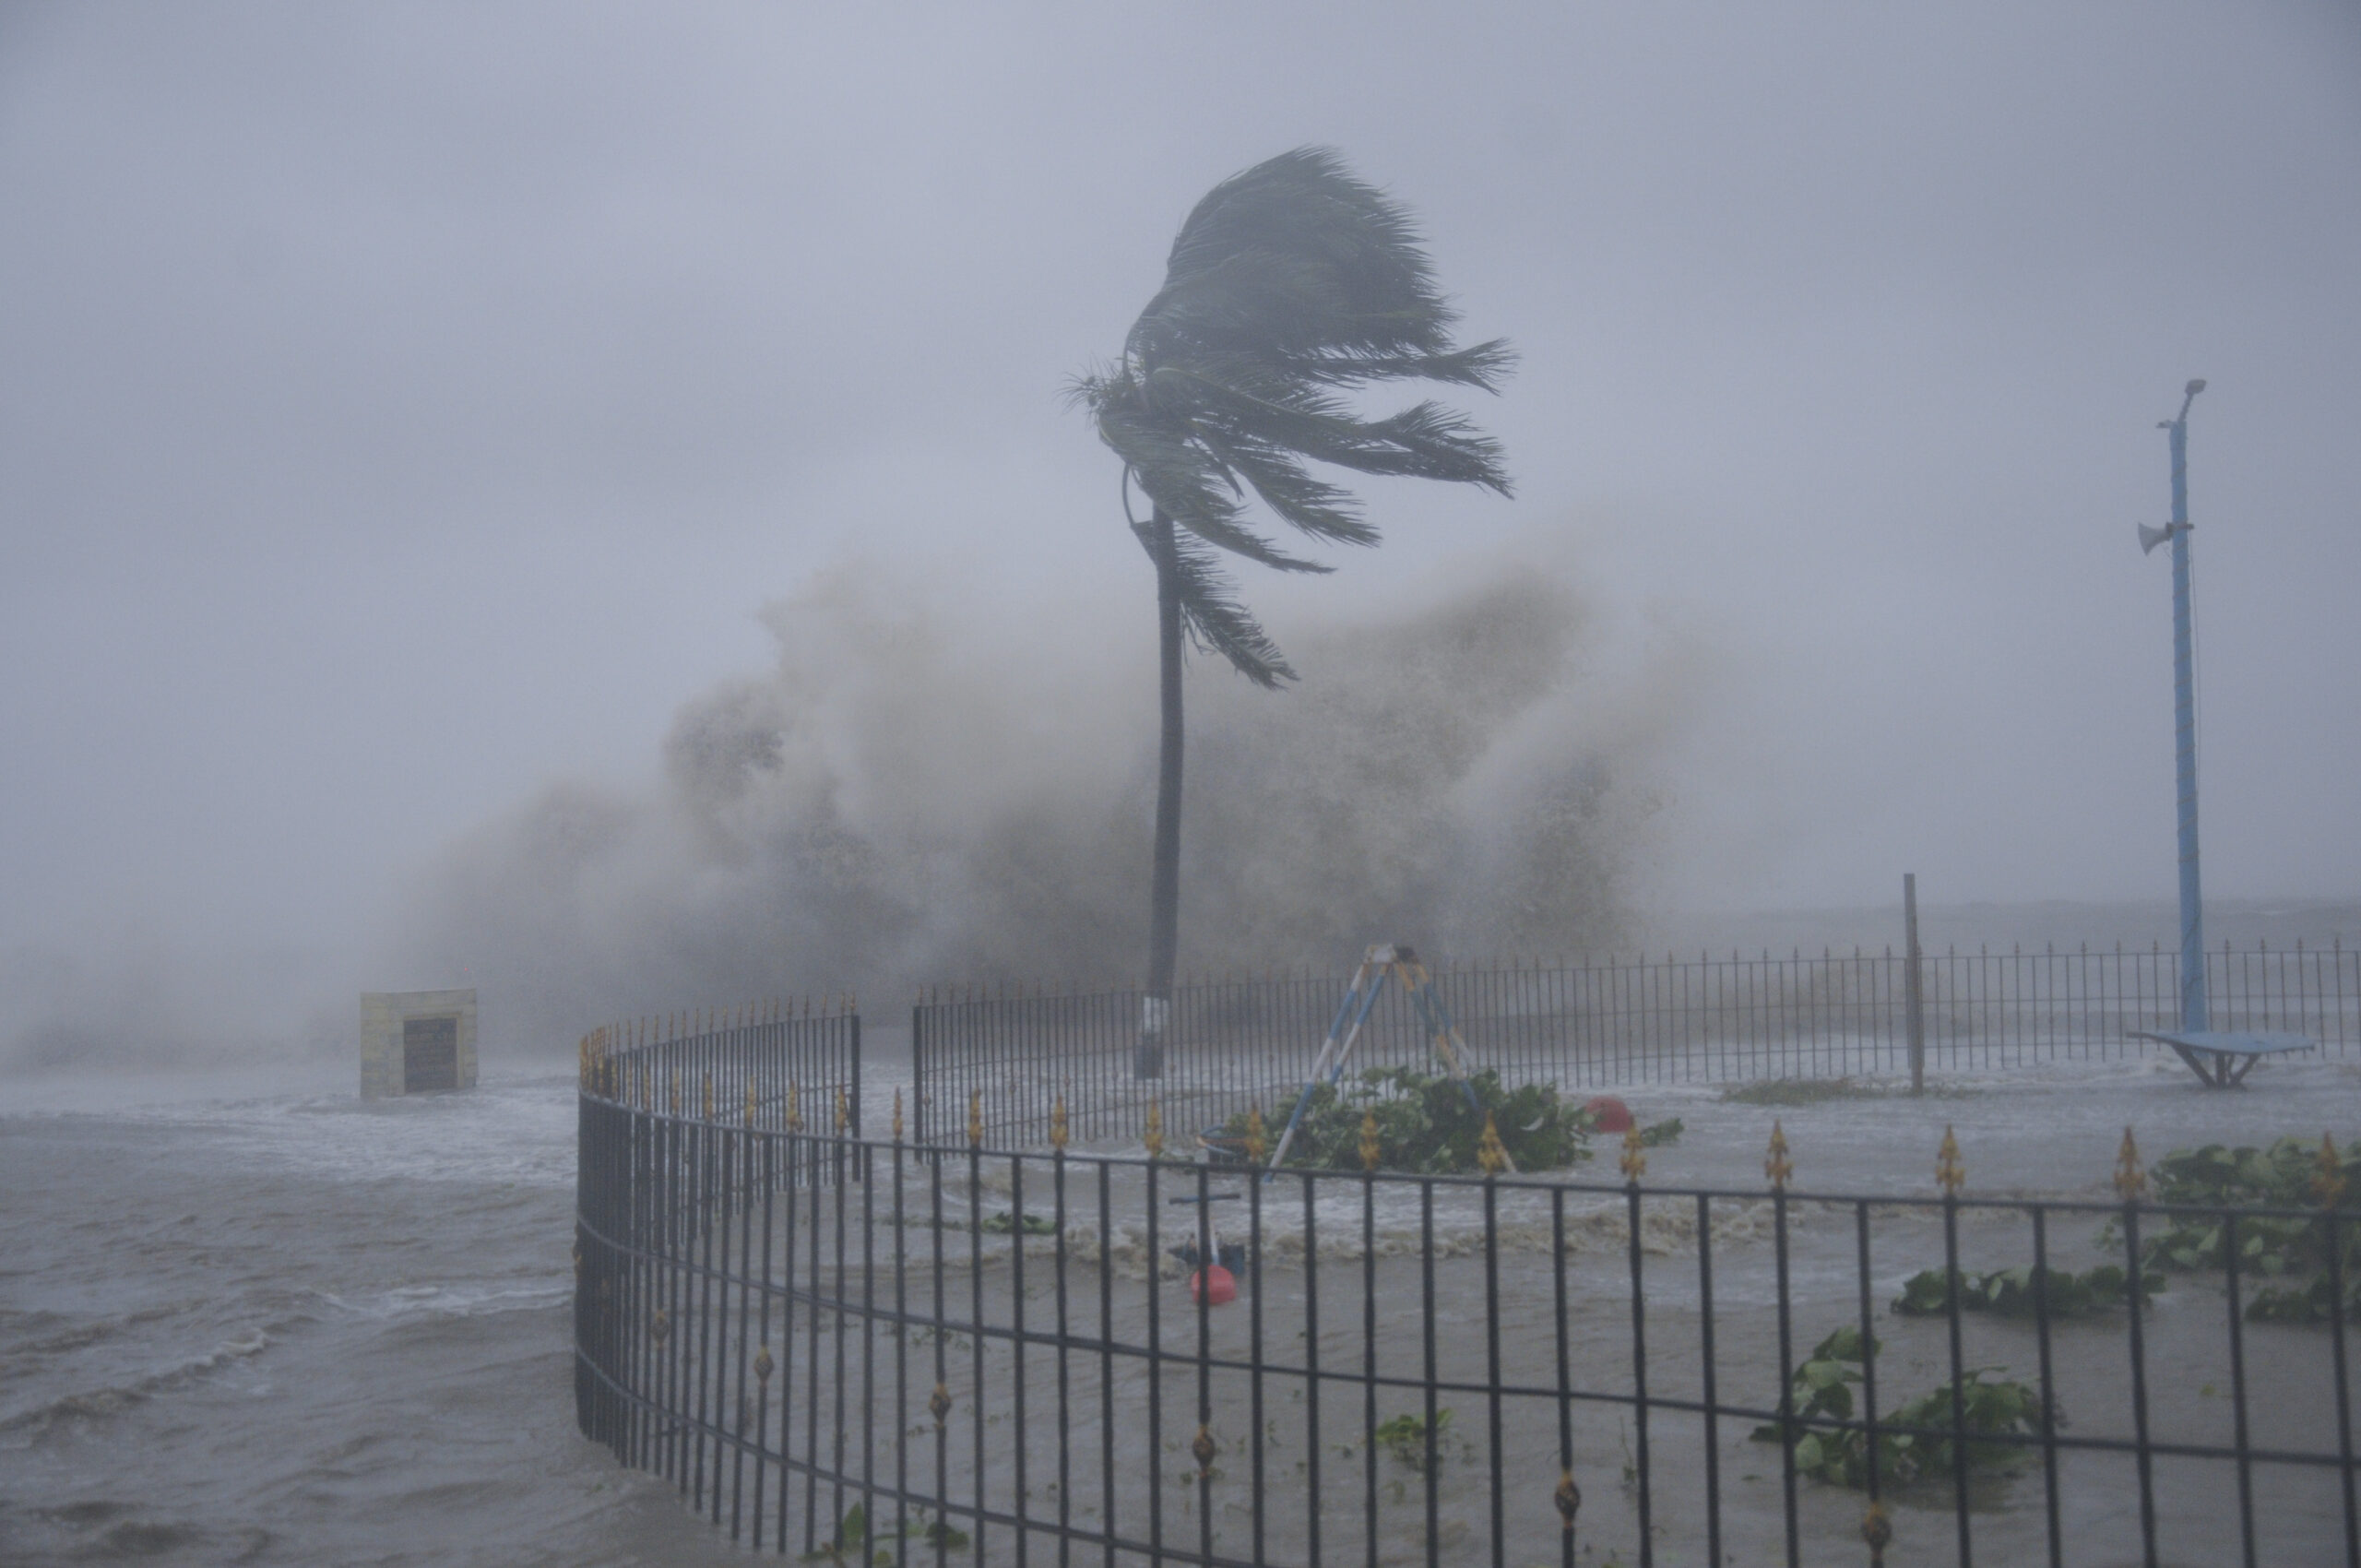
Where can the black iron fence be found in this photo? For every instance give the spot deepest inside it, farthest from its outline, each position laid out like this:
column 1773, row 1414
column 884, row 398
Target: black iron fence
column 767, row 1064
column 654, row 1094
column 863, row 1352
column 1238, row 1042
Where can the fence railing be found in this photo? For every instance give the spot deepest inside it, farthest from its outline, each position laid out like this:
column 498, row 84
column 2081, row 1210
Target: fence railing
column 981, row 1357
column 764, row 1066
column 1234, row 1043
column 653, row 1095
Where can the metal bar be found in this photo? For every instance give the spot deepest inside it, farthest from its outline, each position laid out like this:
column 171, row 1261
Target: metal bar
column 1427, row 1344
column 1787, row 1381
column 2049, row 1386
column 1022, row 1503
column 1862, row 1276
column 1065, row 1333
column 1107, row 1359
column 1254, row 1361
column 2237, row 1385
column 859, row 1166
column 2338, row 1312
column 976, row 1340
column 1492, row 1368
column 1369, row 1363
column 1154, row 1370
column 1559, row 1316
column 1952, row 1306
column 1914, row 988
column 1706, row 1358
column 901, row 1349
column 1639, row 1379
column 1311, row 1443
column 2143, row 1453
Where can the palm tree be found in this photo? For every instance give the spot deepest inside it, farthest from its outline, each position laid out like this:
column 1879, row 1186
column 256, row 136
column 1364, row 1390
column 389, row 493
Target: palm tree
column 1291, row 285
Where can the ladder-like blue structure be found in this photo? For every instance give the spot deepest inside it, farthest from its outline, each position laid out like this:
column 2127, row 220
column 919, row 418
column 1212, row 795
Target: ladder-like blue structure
column 1395, row 961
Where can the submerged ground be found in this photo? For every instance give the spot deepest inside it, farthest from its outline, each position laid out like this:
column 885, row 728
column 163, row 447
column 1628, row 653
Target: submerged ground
column 262, row 1322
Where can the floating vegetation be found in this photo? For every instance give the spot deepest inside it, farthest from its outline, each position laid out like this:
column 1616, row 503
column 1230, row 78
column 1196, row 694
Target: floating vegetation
column 857, row 1542
column 1788, row 1092
column 2009, row 1292
column 1660, row 1133
column 1992, row 1408
column 1405, row 1436
column 2285, row 1175
column 2293, row 1250
column 2304, row 1303
column 1001, row 1223
column 1425, row 1125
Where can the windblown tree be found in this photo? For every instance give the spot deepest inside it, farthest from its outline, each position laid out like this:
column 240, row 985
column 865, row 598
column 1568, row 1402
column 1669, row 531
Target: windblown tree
column 1292, row 286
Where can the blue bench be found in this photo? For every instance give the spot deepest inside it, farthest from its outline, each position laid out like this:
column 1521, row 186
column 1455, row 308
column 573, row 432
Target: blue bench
column 2222, row 1058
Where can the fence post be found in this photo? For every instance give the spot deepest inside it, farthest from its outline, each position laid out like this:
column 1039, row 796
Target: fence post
column 1913, row 992
column 918, row 1071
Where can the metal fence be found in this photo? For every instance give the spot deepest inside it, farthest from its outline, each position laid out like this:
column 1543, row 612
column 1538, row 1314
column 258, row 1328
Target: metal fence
column 653, row 1095
column 1238, row 1042
column 865, row 1351
column 767, row 1064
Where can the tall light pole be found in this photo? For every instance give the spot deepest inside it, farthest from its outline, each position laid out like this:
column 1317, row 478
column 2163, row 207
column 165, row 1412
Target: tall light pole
column 2220, row 1059
column 2194, row 1013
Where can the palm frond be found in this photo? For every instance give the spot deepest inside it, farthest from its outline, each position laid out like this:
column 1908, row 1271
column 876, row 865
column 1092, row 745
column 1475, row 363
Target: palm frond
column 1210, row 612
column 1288, row 284
column 1185, row 480
column 1314, row 506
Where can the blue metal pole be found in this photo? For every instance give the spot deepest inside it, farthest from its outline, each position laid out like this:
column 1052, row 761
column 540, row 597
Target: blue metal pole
column 2194, row 1013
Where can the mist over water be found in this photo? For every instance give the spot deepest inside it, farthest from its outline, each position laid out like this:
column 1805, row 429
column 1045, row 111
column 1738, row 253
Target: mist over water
column 910, row 797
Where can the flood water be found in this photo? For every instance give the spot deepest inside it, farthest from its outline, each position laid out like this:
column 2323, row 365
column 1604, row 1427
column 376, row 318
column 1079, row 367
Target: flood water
column 264, row 1322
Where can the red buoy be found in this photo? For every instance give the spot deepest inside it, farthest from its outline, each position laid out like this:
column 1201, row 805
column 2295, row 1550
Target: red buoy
column 1610, row 1114
column 1213, row 1286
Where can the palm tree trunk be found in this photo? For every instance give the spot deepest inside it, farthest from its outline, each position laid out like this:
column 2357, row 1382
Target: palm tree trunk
column 1164, row 892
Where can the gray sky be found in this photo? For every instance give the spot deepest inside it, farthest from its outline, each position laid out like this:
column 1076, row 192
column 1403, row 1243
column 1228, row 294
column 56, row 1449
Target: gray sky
column 410, row 406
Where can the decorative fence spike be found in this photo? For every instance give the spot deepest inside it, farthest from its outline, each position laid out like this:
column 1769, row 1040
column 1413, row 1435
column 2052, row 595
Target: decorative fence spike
column 764, row 1365
column 794, row 1107
column 976, row 1119
column 1778, row 1167
column 658, row 1326
column 1371, row 1150
column 1634, row 1160
column 897, row 1113
column 1490, row 1157
column 1153, row 1137
column 750, row 1102
column 844, row 1112
column 1256, row 1144
column 1950, row 1174
column 1205, row 1449
column 1569, row 1500
column 1877, row 1530
column 1057, row 1125
column 2130, row 1176
column 2328, row 1182
column 708, row 1096
column 937, row 1404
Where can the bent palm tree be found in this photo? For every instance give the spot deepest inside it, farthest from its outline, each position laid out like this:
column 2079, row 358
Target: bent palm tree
column 1291, row 285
